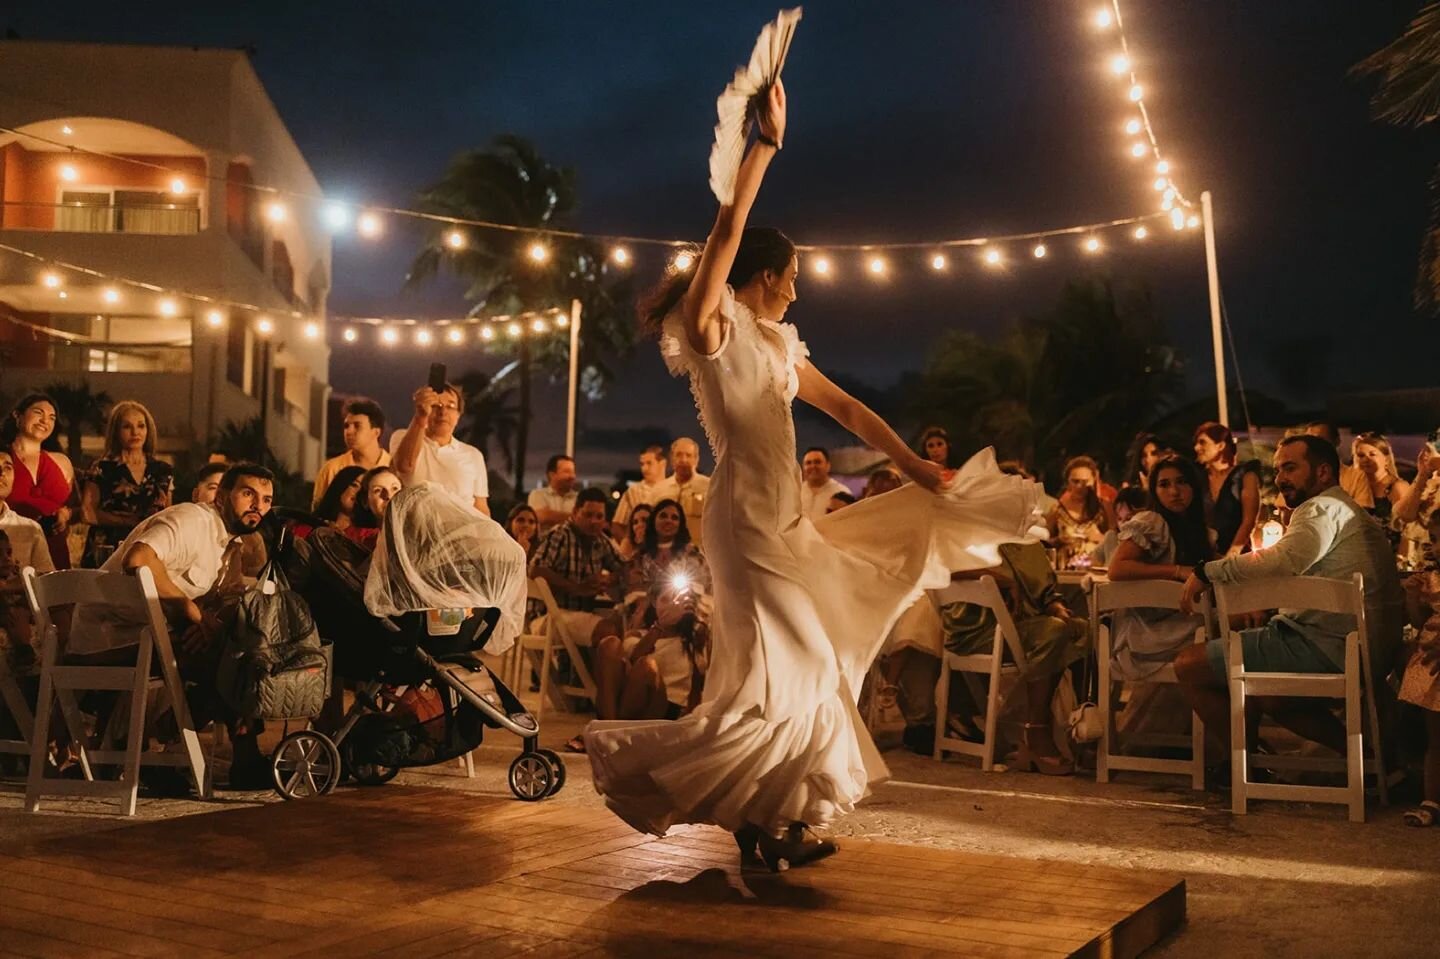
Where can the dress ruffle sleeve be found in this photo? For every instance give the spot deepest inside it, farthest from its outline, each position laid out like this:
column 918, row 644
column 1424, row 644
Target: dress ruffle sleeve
column 675, row 349
column 1147, row 530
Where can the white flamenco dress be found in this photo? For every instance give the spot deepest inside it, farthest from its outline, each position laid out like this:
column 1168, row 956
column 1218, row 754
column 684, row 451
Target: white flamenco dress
column 801, row 608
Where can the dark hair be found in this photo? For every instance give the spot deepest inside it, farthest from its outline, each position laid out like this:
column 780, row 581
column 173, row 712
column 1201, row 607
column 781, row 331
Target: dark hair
column 239, row 471
column 1187, row 530
column 329, row 508
column 630, row 525
column 1134, row 497
column 931, row 432
column 590, row 494
column 761, row 248
column 1327, row 431
column 1318, row 451
column 651, row 546
column 1137, row 454
column 371, row 410
column 657, row 451
column 816, row 449
column 515, row 512
column 553, row 463
column 209, row 470
column 364, row 517
column 882, row 476
column 1013, row 468
column 1217, row 433
column 1092, row 493
column 846, row 498
column 10, row 429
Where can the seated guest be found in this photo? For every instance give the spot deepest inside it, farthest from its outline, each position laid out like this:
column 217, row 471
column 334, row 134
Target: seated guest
column 1145, row 451
column 839, row 501
column 1051, row 637
column 44, row 479
column 1159, row 543
column 337, row 506
column 1419, row 502
column 882, row 480
column 27, row 538
column 1352, row 479
column 377, row 488
column 581, row 565
column 364, row 422
column 1420, row 684
column 427, row 450
column 1045, row 502
column 523, row 525
column 126, row 484
column 649, row 491
column 555, row 501
column 687, row 486
column 634, row 540
column 1232, row 491
column 194, row 552
column 1079, row 521
column 22, row 544
column 1383, row 487
column 1128, row 501
column 817, row 486
column 935, row 446
column 1328, row 536
column 208, row 483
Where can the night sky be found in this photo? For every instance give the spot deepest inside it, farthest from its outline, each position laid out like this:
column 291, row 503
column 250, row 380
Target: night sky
column 917, row 121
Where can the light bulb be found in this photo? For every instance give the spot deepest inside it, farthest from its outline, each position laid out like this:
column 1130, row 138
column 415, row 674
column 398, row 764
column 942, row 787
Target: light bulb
column 1133, row 126
column 992, row 257
column 1168, row 203
column 68, row 173
column 1136, row 93
column 821, row 265
column 539, row 326
column 110, row 295
column 876, row 265
column 1192, row 221
column 1161, row 183
column 276, row 212
column 265, row 326
column 620, row 255
column 369, row 224
column 215, row 318
column 350, row 335
column 455, row 240
column 66, row 130
column 1039, row 251
column 1138, row 150
column 1120, row 64
column 1162, row 167
column 336, row 216
column 168, row 307
column 1177, row 218
column 1141, row 233
column 938, row 262
column 683, row 261
column 454, row 334
column 312, row 331
column 389, row 336
column 538, row 252
column 64, row 295
column 51, row 280
column 515, row 330
column 177, row 185
column 487, row 333
column 1092, row 244
column 423, row 337
column 1103, row 19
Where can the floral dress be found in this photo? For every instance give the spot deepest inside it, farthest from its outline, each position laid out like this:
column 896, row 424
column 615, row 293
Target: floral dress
column 119, row 493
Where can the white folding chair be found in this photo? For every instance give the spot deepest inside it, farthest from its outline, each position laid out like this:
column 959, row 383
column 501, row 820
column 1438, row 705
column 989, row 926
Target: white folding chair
column 135, row 597
column 1106, row 598
column 538, row 649
column 980, row 592
column 19, row 711
column 1345, row 597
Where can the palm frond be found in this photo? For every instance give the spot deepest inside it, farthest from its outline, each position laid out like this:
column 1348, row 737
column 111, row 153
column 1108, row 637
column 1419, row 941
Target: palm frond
column 1409, row 72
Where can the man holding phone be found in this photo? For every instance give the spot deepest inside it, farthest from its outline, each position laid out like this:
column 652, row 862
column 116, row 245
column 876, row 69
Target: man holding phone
column 427, row 450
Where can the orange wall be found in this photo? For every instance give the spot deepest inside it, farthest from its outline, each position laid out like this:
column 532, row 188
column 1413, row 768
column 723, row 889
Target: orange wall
column 37, row 180
column 237, row 198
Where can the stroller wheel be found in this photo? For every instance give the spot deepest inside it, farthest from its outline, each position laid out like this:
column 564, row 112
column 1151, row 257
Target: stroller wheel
column 558, row 765
column 305, row 764
column 532, row 777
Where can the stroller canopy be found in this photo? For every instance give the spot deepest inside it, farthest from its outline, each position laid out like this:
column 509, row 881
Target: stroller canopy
column 436, row 551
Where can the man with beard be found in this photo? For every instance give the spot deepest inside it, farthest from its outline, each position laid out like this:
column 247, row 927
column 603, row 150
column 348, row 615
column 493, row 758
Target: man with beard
column 194, row 552
column 1328, row 536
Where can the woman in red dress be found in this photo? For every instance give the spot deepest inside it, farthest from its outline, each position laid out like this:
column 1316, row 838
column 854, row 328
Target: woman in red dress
column 43, row 480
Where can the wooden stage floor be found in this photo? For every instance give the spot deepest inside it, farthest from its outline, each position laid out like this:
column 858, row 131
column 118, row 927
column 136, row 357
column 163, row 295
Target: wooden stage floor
column 404, row 871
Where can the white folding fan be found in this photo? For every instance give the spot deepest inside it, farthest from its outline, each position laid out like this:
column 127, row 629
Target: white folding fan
column 738, row 104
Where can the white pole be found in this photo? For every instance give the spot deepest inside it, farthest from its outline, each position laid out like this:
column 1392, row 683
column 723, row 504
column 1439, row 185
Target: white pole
column 1217, row 338
column 574, row 377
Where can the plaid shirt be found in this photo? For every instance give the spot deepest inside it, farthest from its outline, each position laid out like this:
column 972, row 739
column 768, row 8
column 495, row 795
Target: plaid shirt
column 565, row 552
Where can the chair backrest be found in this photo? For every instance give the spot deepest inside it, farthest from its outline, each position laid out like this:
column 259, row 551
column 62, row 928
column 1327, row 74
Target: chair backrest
column 985, row 592
column 538, row 589
column 118, row 592
column 1340, row 596
column 1137, row 594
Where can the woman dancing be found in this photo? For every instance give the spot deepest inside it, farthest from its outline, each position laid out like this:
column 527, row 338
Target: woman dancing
column 801, row 607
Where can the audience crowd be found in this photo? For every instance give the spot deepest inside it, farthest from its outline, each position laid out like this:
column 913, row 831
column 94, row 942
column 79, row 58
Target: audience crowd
column 628, row 589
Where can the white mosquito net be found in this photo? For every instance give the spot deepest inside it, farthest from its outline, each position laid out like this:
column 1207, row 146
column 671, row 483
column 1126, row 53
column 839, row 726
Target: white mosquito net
column 436, row 551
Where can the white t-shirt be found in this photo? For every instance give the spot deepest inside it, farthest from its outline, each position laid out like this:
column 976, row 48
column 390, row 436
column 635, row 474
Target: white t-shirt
column 547, row 498
column 814, row 502
column 190, row 539
column 27, row 541
column 457, row 466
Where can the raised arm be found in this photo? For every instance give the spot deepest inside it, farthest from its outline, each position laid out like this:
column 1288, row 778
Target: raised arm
column 702, row 300
column 405, row 456
column 817, row 390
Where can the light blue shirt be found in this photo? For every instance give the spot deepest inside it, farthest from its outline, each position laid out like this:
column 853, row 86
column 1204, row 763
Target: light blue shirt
column 1330, row 536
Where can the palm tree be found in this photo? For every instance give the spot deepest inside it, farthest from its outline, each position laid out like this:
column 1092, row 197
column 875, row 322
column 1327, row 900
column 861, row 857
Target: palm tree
column 1409, row 95
column 510, row 182
column 490, row 410
column 78, row 409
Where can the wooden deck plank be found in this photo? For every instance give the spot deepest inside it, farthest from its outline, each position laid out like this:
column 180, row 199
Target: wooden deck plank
column 414, row 870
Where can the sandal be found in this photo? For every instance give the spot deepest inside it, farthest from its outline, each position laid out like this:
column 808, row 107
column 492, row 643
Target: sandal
column 1035, row 762
column 1426, row 814
column 575, row 744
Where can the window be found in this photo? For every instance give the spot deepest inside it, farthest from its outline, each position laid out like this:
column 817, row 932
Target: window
column 128, row 211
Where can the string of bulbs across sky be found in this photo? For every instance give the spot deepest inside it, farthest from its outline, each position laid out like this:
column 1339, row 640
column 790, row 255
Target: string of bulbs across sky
column 369, row 221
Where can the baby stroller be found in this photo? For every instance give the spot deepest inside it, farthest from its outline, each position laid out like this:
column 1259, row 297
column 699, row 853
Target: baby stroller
column 407, row 625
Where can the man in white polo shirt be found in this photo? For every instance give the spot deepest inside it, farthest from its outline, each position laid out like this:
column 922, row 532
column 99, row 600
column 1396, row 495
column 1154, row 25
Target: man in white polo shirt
column 427, row 451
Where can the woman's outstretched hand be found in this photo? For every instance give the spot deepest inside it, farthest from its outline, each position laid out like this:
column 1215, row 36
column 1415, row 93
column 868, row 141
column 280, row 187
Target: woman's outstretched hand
column 772, row 113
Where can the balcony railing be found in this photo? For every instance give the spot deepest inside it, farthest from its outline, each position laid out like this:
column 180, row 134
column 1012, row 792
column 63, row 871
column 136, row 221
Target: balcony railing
column 165, row 219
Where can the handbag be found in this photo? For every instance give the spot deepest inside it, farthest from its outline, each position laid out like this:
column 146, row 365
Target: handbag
column 1085, row 722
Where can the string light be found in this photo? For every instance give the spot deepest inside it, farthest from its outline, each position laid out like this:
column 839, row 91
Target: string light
column 177, row 185
column 264, row 326
column 1138, row 150
column 63, row 295
column 51, row 280
column 336, row 216
column 1092, row 244
column 1141, row 233
column 110, row 295
column 369, row 225
column 1162, row 167
column 876, row 266
column 1137, row 93
column 68, row 173
column 276, row 212
column 562, row 321
column 215, row 318
column 66, row 130
column 683, row 262
column 515, row 329
column 1133, row 127
column 169, row 307
column 1039, row 251
column 938, row 262
column 1120, row 64
column 1177, row 218
column 1192, row 221
column 389, row 336
column 487, row 333
column 423, row 337
column 621, row 256
column 454, row 335
column 1161, row 183
column 312, row 330
column 350, row 335
column 821, row 265
column 455, row 240
column 992, row 257
column 538, row 252
column 1103, row 19
column 539, row 326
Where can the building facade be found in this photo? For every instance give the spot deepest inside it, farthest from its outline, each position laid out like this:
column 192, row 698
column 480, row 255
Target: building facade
column 141, row 162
